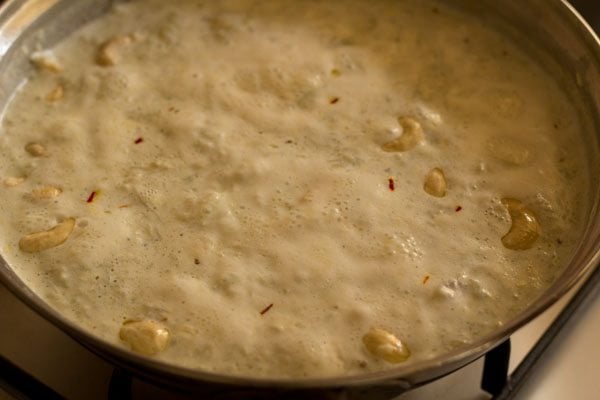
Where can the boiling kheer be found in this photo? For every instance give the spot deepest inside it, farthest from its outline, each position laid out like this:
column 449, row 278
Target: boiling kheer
column 290, row 189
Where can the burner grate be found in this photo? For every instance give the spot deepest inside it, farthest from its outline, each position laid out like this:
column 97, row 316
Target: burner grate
column 515, row 382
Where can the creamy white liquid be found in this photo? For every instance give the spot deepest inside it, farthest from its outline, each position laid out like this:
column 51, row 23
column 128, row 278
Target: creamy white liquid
column 253, row 186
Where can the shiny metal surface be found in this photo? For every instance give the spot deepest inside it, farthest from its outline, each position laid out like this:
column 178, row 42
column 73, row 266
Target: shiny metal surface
column 542, row 25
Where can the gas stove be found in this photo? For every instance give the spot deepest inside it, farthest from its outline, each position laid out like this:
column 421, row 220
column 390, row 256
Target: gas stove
column 556, row 356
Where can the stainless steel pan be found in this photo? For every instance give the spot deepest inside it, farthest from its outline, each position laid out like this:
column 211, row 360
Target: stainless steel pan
column 550, row 25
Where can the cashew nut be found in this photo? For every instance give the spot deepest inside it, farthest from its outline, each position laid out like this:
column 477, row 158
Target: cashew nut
column 11, row 181
column 56, row 94
column 108, row 51
column 35, row 149
column 45, row 192
column 435, row 183
column 525, row 228
column 145, row 336
column 46, row 60
column 385, row 345
column 412, row 135
column 45, row 240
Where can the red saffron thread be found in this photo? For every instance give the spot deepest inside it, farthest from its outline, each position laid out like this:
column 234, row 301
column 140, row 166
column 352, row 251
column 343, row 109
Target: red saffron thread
column 267, row 308
column 391, row 184
column 91, row 197
column 458, row 208
column 138, row 140
column 334, row 100
column 426, row 279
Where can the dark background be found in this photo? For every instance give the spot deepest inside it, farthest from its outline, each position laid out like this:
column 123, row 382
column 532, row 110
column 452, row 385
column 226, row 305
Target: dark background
column 590, row 9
